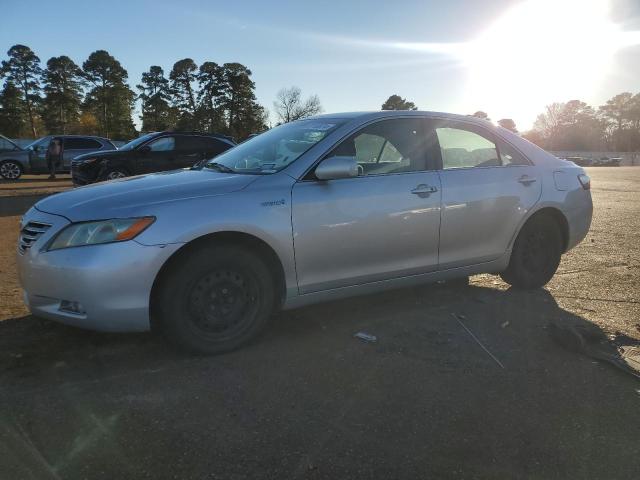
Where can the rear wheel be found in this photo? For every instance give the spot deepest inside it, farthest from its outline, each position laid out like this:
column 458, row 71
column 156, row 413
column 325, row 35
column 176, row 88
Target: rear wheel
column 536, row 254
column 215, row 300
column 10, row 170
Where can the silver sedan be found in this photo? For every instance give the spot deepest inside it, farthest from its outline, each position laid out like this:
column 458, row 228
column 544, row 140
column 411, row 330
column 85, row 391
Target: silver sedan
column 318, row 209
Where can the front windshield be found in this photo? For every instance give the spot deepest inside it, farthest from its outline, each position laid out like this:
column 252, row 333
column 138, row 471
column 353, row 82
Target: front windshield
column 7, row 145
column 138, row 141
column 274, row 149
column 39, row 142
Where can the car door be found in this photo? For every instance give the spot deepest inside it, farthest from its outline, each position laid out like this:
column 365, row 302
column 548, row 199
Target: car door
column 379, row 225
column 161, row 155
column 214, row 147
column 487, row 189
column 74, row 146
column 189, row 150
column 38, row 155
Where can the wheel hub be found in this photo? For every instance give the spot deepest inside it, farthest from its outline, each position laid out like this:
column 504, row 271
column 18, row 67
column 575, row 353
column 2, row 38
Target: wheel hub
column 114, row 175
column 219, row 301
column 10, row 170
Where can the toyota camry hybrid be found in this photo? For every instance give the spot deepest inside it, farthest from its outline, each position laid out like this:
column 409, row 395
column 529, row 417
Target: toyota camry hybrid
column 317, row 209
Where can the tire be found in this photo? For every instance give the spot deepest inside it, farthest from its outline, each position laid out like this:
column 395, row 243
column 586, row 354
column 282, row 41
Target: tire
column 536, row 254
column 10, row 170
column 216, row 299
column 114, row 173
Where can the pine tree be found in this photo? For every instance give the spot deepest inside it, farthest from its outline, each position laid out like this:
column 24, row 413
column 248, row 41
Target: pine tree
column 183, row 76
column 13, row 121
column 244, row 115
column 210, row 93
column 110, row 99
column 23, row 70
column 63, row 88
column 155, row 96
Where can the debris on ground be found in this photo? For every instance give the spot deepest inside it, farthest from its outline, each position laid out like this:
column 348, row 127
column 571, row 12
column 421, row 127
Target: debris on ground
column 367, row 337
column 617, row 350
column 505, row 324
column 459, row 318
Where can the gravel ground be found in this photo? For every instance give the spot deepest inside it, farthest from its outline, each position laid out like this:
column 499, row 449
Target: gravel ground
column 34, row 185
column 307, row 400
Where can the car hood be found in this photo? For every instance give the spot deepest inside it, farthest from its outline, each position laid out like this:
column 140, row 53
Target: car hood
column 140, row 195
column 101, row 154
column 14, row 154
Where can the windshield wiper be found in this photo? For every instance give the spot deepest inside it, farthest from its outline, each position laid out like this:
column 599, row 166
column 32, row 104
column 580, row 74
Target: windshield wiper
column 220, row 167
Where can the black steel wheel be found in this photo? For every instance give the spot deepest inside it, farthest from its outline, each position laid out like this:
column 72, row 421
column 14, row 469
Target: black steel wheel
column 215, row 299
column 536, row 254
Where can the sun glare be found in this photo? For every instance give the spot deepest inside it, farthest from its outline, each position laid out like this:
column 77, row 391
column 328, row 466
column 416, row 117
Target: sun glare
column 541, row 51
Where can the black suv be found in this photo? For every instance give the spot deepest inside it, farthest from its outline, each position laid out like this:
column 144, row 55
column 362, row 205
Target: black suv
column 154, row 152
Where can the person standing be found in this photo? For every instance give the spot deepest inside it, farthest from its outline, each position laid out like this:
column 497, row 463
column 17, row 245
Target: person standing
column 54, row 156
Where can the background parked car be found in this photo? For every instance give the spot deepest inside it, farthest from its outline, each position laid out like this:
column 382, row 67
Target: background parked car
column 580, row 161
column 154, row 152
column 7, row 145
column 608, row 162
column 32, row 159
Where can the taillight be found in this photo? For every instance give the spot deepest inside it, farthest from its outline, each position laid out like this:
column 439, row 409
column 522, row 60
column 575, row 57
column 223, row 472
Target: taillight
column 585, row 181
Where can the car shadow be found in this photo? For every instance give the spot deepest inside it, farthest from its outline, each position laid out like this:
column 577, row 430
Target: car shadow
column 436, row 323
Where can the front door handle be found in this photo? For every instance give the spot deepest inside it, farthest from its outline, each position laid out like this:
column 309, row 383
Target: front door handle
column 423, row 189
column 527, row 180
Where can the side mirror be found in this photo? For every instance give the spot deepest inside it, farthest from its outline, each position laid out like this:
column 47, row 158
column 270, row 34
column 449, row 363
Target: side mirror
column 144, row 150
column 337, row 167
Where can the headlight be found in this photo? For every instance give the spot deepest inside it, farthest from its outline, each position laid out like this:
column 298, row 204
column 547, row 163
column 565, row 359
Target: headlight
column 103, row 231
column 89, row 160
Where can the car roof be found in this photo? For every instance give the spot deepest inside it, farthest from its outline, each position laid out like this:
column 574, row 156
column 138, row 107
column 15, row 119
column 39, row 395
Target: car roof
column 217, row 136
column 393, row 113
column 77, row 136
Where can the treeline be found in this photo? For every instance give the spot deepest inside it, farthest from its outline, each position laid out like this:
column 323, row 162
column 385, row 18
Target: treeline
column 575, row 125
column 95, row 98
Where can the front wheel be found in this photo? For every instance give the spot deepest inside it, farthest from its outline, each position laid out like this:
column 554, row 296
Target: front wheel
column 215, row 299
column 114, row 174
column 536, row 254
column 10, row 170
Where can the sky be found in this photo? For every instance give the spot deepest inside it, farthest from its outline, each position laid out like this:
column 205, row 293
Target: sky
column 509, row 58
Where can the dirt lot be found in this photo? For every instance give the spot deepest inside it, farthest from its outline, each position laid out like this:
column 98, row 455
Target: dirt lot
column 307, row 400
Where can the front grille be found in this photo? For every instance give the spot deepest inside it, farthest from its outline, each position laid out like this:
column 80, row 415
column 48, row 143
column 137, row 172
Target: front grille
column 30, row 233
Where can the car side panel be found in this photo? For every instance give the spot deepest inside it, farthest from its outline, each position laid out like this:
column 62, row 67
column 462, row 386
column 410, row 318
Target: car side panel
column 364, row 229
column 573, row 201
column 481, row 209
column 263, row 210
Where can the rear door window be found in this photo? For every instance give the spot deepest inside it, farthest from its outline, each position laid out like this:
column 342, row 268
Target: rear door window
column 164, row 144
column 81, row 144
column 510, row 156
column 461, row 148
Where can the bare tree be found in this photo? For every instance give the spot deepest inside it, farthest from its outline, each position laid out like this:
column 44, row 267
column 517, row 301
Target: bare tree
column 289, row 105
column 549, row 122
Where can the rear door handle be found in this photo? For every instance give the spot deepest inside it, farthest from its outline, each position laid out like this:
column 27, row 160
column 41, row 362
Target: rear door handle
column 527, row 180
column 423, row 189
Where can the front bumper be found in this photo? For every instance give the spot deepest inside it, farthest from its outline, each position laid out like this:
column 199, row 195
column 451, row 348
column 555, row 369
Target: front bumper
column 83, row 176
column 111, row 282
